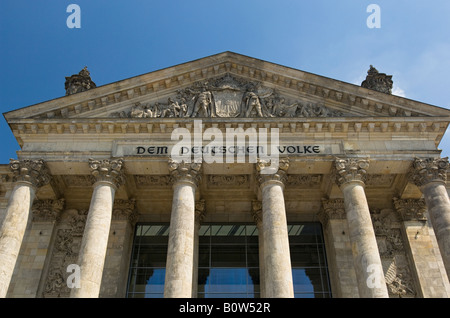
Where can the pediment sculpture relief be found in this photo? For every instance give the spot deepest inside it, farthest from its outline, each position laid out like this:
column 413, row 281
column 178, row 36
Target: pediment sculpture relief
column 228, row 97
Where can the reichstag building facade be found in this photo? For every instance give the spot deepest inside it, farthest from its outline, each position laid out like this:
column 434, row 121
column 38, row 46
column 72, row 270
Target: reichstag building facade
column 226, row 176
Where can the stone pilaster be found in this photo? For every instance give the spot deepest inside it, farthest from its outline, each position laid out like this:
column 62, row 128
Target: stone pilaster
column 124, row 217
column 430, row 175
column 339, row 250
column 34, row 253
column 109, row 176
column 199, row 216
column 180, row 253
column 29, row 175
column 257, row 216
column 350, row 176
column 277, row 260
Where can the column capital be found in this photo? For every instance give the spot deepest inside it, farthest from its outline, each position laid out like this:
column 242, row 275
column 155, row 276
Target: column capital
column 30, row 171
column 47, row 210
column 272, row 171
column 424, row 171
column 108, row 170
column 411, row 209
column 187, row 172
column 350, row 170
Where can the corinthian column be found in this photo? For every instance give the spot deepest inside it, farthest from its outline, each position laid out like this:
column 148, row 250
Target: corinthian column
column 430, row 175
column 109, row 177
column 29, row 175
column 277, row 259
column 180, row 252
column 350, row 176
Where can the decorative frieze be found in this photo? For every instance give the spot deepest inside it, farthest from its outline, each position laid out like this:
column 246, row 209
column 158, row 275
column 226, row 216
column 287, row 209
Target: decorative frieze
column 304, row 180
column 34, row 172
column 185, row 171
column 153, row 181
column 78, row 181
column 124, row 210
column 107, row 170
column 396, row 267
column 424, row 171
column 332, row 209
column 47, row 210
column 228, row 97
column 411, row 209
column 350, row 170
column 200, row 211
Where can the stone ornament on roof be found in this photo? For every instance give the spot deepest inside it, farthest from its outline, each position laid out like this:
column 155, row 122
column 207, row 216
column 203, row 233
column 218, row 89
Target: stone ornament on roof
column 79, row 82
column 378, row 81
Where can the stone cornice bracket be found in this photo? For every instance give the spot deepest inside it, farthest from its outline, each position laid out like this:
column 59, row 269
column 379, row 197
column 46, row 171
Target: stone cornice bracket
column 200, row 211
column 33, row 172
column 47, row 210
column 257, row 211
column 272, row 171
column 332, row 209
column 109, row 171
column 350, row 170
column 185, row 172
column 411, row 209
column 424, row 171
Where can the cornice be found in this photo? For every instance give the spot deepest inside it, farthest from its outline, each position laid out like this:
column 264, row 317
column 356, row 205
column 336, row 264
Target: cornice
column 163, row 81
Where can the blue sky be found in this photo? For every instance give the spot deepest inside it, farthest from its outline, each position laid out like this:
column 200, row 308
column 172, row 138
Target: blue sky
column 122, row 39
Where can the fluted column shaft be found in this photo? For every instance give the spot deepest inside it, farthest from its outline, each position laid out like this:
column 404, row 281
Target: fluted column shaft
column 180, row 252
column 91, row 259
column 277, row 259
column 430, row 175
column 28, row 175
column 350, row 176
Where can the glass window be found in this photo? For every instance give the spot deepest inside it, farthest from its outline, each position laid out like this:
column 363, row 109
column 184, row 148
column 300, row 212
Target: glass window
column 228, row 261
column 148, row 261
column 228, row 264
column 308, row 261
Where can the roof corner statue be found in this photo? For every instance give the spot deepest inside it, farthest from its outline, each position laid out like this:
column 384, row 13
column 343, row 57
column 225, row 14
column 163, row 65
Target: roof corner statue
column 378, row 81
column 79, row 82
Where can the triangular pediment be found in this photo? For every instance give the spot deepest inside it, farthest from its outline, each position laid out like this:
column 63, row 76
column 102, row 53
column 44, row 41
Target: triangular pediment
column 228, row 85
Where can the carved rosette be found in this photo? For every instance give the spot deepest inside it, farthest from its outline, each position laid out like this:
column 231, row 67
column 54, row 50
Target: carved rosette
column 270, row 171
column 186, row 172
column 411, row 209
column 350, row 170
column 33, row 172
column 332, row 209
column 47, row 210
column 109, row 171
column 424, row 171
column 124, row 210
